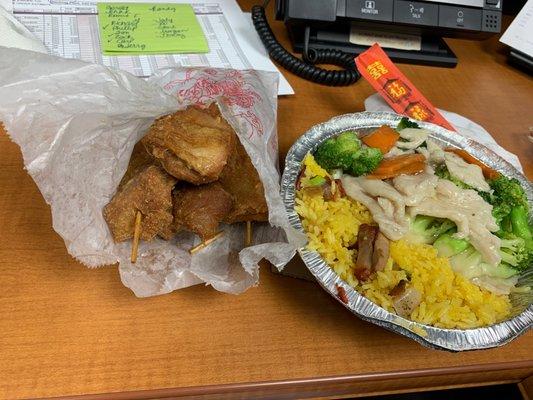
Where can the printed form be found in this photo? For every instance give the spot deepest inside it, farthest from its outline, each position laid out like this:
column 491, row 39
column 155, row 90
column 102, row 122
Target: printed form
column 69, row 28
column 519, row 35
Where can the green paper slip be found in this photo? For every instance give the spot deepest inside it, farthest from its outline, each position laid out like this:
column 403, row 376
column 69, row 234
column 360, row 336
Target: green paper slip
column 149, row 28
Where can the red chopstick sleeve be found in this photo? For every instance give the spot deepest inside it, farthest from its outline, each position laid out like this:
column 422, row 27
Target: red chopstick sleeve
column 404, row 98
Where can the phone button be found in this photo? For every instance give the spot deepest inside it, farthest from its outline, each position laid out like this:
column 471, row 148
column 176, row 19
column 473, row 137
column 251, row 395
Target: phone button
column 377, row 10
column 460, row 17
column 415, row 12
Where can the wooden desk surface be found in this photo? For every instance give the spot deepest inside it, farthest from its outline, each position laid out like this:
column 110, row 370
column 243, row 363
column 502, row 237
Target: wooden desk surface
column 68, row 330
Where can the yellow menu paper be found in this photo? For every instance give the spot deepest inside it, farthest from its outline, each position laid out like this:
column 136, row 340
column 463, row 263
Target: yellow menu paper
column 149, row 28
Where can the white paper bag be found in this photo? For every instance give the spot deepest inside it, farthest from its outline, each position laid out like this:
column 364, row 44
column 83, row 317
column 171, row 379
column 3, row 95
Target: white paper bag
column 76, row 124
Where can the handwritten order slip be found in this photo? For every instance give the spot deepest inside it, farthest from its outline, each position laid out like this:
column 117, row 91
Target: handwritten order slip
column 149, row 28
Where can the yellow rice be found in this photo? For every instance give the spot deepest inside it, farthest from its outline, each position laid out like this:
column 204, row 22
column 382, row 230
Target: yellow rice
column 449, row 299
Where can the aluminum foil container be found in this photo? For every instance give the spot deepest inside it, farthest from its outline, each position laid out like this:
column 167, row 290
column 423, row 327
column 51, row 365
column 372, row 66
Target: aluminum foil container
column 429, row 336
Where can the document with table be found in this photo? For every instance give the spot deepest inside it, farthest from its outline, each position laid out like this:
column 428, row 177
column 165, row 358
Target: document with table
column 519, row 35
column 70, row 29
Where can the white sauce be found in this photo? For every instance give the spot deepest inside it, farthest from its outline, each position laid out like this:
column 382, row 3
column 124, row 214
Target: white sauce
column 496, row 285
column 392, row 203
column 382, row 208
column 412, row 138
column 426, row 194
column 470, row 174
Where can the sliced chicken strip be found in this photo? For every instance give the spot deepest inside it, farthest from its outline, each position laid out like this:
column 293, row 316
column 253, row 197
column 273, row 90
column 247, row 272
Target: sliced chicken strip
column 434, row 207
column 395, row 151
column 471, row 214
column 470, row 174
column 470, row 200
column 416, row 188
column 379, row 188
column 436, row 153
column 387, row 206
column 412, row 138
column 486, row 243
column 390, row 227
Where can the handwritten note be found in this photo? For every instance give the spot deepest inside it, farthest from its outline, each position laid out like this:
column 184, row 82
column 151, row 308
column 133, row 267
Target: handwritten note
column 155, row 28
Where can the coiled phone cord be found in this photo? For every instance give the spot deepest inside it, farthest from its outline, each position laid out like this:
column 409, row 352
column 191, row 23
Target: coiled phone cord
column 305, row 68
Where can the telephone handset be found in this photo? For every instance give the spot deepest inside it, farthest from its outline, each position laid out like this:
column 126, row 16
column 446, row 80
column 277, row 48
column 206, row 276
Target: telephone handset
column 306, row 68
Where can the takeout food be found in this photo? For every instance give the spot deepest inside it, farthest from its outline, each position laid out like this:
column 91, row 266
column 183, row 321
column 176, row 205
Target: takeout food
column 189, row 172
column 428, row 233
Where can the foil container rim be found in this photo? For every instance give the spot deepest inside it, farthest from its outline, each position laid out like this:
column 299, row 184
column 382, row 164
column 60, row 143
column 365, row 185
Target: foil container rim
column 427, row 335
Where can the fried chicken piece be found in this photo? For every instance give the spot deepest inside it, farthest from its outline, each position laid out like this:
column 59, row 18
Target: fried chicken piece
column 149, row 191
column 241, row 180
column 200, row 209
column 167, row 232
column 193, row 144
column 139, row 160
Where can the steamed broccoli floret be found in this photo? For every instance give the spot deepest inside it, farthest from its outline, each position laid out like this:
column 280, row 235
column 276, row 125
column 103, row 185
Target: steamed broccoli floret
column 447, row 245
column 337, row 152
column 504, row 223
column 365, row 160
column 514, row 252
column 469, row 263
column 346, row 152
column 520, row 225
column 405, row 123
column 442, row 172
column 500, row 212
column 426, row 229
column 507, row 193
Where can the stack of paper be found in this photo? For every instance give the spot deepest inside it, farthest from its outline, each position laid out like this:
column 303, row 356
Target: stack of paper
column 70, row 29
column 519, row 35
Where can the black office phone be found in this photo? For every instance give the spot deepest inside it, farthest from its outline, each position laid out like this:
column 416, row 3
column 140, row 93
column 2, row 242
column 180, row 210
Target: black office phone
column 323, row 31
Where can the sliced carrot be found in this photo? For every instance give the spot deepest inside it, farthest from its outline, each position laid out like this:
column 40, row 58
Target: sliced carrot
column 488, row 172
column 411, row 169
column 407, row 164
column 383, row 138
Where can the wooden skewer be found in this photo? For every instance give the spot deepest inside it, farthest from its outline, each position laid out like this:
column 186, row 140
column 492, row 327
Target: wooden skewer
column 248, row 235
column 136, row 237
column 205, row 243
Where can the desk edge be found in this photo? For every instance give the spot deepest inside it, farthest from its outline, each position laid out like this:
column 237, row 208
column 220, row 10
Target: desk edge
column 300, row 382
